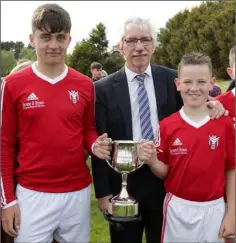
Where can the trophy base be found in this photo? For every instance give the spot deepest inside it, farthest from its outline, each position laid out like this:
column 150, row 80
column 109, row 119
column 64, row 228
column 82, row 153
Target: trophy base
column 122, row 209
column 119, row 219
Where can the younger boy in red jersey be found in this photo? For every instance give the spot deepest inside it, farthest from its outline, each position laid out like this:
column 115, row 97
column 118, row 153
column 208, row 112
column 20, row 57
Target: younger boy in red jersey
column 48, row 110
column 228, row 98
column 196, row 159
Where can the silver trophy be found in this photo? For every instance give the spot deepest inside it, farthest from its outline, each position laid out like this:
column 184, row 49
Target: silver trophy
column 124, row 159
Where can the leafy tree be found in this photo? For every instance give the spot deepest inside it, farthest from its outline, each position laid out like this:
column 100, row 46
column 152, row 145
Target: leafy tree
column 15, row 47
column 92, row 49
column 208, row 28
column 114, row 61
column 28, row 53
column 8, row 62
column 80, row 59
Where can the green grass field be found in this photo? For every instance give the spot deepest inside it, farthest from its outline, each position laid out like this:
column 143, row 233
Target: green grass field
column 223, row 84
column 99, row 226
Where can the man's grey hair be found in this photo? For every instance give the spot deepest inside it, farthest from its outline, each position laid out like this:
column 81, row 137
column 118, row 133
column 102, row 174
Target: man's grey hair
column 22, row 66
column 232, row 56
column 140, row 23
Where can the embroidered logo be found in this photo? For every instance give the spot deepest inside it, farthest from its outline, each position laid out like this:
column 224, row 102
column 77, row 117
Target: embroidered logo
column 74, row 96
column 32, row 96
column 213, row 141
column 177, row 142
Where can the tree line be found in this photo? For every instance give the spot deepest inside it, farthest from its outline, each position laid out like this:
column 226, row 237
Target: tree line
column 208, row 28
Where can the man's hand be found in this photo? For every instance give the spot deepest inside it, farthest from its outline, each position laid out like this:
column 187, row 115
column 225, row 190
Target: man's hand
column 227, row 227
column 103, row 203
column 11, row 220
column 102, row 147
column 216, row 109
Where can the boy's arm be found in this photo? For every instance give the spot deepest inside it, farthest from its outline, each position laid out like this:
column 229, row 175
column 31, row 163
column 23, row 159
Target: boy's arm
column 230, row 192
column 159, row 169
column 89, row 132
column 230, row 167
column 227, row 228
column 8, row 142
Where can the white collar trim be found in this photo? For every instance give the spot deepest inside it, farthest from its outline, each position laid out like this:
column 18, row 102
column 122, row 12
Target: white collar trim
column 46, row 78
column 233, row 91
column 192, row 123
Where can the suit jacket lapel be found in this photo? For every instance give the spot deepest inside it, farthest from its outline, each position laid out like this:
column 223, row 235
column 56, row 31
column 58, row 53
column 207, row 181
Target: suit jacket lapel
column 160, row 89
column 121, row 91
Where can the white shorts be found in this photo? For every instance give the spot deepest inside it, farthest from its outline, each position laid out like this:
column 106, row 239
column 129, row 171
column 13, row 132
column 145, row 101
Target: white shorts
column 188, row 221
column 62, row 216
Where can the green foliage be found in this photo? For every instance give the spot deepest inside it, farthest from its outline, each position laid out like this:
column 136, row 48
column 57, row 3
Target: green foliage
column 27, row 53
column 208, row 28
column 95, row 49
column 8, row 62
column 80, row 59
column 98, row 41
column 15, row 47
column 114, row 61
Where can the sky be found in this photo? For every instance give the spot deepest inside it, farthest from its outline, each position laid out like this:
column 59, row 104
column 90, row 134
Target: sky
column 85, row 15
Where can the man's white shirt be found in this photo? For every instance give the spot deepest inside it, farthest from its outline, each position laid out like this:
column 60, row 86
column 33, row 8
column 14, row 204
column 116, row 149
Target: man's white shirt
column 133, row 87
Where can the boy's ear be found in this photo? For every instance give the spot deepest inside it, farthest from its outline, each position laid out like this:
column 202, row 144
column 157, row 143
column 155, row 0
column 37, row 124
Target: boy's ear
column 177, row 84
column 31, row 39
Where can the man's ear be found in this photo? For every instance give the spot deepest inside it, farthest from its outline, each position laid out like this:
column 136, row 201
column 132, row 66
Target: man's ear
column 177, row 84
column 230, row 72
column 119, row 47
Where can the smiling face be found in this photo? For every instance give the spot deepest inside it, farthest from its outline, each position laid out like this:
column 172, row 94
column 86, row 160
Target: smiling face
column 194, row 84
column 137, row 47
column 51, row 48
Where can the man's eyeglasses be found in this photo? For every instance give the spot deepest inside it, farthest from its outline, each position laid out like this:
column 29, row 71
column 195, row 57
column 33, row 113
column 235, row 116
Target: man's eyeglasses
column 133, row 41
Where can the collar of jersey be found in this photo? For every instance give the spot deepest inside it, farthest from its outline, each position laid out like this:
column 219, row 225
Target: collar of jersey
column 192, row 123
column 50, row 80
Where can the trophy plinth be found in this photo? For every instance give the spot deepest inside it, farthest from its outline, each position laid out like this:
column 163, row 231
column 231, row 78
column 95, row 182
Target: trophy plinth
column 124, row 160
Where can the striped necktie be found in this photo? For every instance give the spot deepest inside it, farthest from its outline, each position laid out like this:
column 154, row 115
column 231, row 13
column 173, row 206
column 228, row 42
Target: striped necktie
column 144, row 110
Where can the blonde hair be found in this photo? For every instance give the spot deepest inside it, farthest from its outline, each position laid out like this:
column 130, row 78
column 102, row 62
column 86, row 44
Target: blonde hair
column 195, row 59
column 21, row 66
column 104, row 73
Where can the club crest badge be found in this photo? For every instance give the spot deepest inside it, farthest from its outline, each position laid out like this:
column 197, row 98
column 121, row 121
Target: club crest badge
column 213, row 141
column 74, row 96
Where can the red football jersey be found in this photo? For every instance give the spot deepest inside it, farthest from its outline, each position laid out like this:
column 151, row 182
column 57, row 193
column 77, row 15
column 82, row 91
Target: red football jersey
column 228, row 101
column 198, row 155
column 51, row 121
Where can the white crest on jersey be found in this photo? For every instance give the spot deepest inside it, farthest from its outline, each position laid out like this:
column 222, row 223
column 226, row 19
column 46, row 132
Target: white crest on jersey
column 213, row 141
column 74, row 96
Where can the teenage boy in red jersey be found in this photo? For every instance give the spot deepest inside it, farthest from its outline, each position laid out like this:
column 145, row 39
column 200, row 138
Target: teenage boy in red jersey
column 196, row 159
column 48, row 111
column 228, row 98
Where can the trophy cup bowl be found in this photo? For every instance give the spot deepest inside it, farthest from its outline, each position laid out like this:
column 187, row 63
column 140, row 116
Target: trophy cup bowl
column 124, row 160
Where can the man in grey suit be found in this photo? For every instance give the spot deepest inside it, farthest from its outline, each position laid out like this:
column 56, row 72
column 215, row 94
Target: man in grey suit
column 119, row 113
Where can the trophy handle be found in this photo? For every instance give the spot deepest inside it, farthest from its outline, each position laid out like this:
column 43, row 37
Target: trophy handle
column 138, row 162
column 115, row 153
